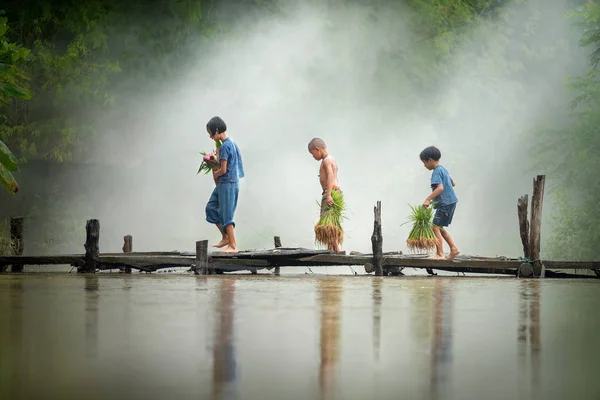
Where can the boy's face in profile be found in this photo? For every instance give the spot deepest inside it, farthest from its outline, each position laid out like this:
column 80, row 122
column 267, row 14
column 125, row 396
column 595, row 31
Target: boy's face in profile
column 213, row 137
column 316, row 153
column 429, row 164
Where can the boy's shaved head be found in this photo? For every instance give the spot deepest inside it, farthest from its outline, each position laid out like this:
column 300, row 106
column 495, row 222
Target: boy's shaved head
column 317, row 142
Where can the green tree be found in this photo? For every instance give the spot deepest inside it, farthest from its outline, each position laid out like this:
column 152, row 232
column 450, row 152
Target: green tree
column 571, row 151
column 13, row 85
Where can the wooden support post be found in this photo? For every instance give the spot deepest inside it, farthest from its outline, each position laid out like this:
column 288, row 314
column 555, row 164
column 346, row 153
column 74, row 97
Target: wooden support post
column 377, row 240
column 127, row 248
column 277, row 241
column 522, row 208
column 536, row 223
column 202, row 258
column 16, row 240
column 92, row 247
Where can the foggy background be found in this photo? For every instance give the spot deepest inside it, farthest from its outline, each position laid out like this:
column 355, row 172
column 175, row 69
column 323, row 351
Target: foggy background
column 315, row 71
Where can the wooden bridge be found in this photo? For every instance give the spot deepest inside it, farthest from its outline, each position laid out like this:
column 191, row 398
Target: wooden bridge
column 203, row 262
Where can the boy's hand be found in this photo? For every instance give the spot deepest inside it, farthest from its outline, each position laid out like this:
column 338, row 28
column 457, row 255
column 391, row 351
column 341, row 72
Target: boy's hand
column 426, row 203
column 329, row 200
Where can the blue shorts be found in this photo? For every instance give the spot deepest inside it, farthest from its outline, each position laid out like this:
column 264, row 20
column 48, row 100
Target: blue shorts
column 222, row 204
column 443, row 215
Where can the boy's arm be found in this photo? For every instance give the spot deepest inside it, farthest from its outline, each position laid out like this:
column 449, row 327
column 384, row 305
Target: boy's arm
column 329, row 174
column 439, row 189
column 221, row 171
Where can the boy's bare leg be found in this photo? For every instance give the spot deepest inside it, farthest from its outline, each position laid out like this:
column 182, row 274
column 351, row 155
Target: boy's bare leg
column 224, row 240
column 453, row 249
column 439, row 254
column 229, row 231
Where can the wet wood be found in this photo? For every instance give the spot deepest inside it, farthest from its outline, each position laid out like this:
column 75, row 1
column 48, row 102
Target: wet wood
column 277, row 242
column 16, row 240
column 127, row 248
column 537, row 202
column 522, row 208
column 377, row 240
column 92, row 247
column 202, row 258
column 525, row 270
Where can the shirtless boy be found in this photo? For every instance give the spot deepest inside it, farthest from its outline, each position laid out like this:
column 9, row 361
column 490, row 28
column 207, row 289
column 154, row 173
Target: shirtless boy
column 327, row 176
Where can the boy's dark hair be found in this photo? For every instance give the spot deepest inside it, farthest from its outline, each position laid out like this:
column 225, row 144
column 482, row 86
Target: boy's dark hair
column 216, row 125
column 431, row 153
column 316, row 142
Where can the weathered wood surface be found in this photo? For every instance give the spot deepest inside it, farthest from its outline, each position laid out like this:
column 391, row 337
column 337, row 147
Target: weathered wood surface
column 282, row 252
column 277, row 243
column 292, row 257
column 17, row 225
column 127, row 248
column 522, row 208
column 92, row 247
column 202, row 265
column 537, row 202
column 377, row 240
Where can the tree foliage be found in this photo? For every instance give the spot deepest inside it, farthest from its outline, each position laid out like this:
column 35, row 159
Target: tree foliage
column 571, row 154
column 13, row 85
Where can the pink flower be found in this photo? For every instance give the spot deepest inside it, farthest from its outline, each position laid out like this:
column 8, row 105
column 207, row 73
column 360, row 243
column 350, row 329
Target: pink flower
column 212, row 157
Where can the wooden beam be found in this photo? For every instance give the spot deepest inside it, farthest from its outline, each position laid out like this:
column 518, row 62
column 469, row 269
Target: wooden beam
column 522, row 208
column 377, row 240
column 16, row 240
column 202, row 258
column 277, row 242
column 537, row 202
column 127, row 248
column 92, row 248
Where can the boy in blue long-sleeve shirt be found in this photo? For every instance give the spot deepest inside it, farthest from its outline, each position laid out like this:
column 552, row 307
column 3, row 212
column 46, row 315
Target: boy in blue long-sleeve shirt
column 222, row 204
column 443, row 200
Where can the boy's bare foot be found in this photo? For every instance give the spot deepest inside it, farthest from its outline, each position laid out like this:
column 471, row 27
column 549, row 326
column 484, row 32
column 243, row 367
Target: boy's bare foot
column 437, row 257
column 222, row 243
column 453, row 253
column 230, row 250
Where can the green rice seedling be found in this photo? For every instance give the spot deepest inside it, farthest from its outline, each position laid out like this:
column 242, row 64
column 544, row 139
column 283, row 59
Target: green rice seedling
column 421, row 236
column 329, row 231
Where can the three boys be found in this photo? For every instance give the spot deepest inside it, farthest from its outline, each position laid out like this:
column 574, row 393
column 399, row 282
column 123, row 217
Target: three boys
column 222, row 204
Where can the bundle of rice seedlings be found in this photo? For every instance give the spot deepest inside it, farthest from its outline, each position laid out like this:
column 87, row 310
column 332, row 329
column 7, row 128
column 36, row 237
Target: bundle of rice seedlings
column 328, row 231
column 421, row 236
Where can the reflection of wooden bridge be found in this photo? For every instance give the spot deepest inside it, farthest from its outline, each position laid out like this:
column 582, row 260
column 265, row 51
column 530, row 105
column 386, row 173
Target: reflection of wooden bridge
column 201, row 261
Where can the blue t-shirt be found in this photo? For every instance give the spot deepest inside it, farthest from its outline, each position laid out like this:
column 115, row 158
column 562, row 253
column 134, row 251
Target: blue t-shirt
column 447, row 197
column 230, row 151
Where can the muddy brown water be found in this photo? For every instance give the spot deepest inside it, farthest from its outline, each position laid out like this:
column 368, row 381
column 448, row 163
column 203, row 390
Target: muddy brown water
column 113, row 336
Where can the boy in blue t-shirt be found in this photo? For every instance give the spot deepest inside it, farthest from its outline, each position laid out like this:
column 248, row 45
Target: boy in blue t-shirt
column 222, row 204
column 443, row 198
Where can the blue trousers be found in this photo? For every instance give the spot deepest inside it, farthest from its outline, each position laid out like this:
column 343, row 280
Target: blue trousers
column 222, row 204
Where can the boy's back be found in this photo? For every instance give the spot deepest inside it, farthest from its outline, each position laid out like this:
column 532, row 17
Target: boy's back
column 235, row 168
column 441, row 176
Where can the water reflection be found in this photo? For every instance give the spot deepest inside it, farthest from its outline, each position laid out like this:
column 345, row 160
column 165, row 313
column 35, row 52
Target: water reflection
column 330, row 296
column 224, row 363
column 441, row 351
column 377, row 300
column 528, row 335
column 91, row 315
column 13, row 363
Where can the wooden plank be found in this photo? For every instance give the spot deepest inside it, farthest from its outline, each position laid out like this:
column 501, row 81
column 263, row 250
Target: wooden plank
column 537, row 202
column 270, row 254
column 572, row 265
